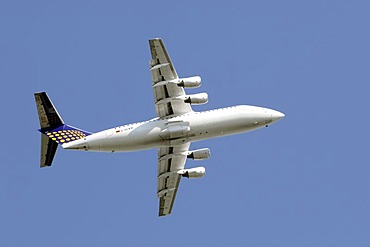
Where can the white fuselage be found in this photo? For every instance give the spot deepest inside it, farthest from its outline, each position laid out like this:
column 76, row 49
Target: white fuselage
column 170, row 131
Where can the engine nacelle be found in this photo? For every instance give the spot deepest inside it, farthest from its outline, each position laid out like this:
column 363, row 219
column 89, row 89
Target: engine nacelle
column 196, row 172
column 196, row 99
column 199, row 154
column 190, row 82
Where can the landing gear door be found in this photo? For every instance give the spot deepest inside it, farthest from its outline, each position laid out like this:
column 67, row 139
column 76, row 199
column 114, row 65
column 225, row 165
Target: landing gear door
column 175, row 130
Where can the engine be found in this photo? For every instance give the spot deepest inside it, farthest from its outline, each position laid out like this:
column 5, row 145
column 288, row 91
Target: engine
column 196, row 172
column 196, row 99
column 199, row 154
column 190, row 82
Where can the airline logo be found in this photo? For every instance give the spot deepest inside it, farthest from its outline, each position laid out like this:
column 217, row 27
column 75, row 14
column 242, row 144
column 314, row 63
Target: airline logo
column 65, row 134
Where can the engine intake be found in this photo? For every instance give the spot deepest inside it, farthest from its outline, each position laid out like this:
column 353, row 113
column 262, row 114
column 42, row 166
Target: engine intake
column 196, row 99
column 196, row 172
column 190, row 82
column 199, row 154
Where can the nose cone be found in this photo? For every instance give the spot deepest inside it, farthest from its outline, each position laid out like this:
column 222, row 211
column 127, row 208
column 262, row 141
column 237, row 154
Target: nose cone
column 274, row 115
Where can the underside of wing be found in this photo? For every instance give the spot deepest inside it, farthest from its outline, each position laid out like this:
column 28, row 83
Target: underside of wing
column 171, row 160
column 167, row 94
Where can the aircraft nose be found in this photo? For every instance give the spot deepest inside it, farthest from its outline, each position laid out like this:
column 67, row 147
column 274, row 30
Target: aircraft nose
column 274, row 115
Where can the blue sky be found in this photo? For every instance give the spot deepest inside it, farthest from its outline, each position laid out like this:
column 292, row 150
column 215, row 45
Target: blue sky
column 303, row 181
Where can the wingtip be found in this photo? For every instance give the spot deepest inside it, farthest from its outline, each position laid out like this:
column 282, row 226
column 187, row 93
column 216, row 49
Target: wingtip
column 156, row 39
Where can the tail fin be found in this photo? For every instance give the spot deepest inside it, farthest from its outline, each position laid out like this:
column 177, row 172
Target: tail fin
column 53, row 129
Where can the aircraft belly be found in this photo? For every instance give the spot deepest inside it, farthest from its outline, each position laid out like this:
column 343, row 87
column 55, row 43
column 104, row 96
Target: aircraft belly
column 124, row 139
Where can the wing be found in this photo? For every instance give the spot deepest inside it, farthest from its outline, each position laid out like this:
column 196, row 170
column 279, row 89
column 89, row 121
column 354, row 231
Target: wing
column 170, row 161
column 165, row 92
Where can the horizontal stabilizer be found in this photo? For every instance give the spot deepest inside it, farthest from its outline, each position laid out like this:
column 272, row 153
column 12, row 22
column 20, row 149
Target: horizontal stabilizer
column 48, row 150
column 64, row 133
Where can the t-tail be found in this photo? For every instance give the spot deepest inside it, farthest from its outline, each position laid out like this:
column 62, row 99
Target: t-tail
column 53, row 129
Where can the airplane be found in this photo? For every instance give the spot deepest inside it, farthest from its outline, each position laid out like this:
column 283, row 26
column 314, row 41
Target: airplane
column 175, row 126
